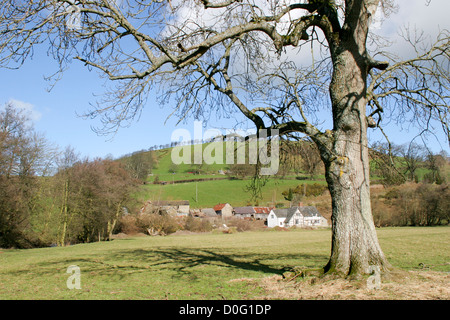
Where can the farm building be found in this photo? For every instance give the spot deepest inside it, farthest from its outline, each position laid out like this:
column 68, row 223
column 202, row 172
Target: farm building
column 209, row 212
column 244, row 212
column 203, row 213
column 262, row 213
column 296, row 216
column 172, row 207
column 224, row 209
column 257, row 213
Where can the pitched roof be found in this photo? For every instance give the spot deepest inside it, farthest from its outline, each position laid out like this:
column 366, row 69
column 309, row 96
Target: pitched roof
column 281, row 213
column 219, row 206
column 262, row 209
column 209, row 212
column 309, row 211
column 244, row 210
column 291, row 212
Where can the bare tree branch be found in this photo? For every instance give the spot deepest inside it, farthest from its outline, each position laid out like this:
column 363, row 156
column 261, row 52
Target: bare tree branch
column 416, row 89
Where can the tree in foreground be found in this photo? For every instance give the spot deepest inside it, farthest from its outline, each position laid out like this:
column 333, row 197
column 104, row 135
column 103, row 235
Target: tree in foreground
column 218, row 57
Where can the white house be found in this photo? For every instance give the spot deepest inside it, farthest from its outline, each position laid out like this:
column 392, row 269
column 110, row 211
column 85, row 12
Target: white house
column 276, row 217
column 296, row 216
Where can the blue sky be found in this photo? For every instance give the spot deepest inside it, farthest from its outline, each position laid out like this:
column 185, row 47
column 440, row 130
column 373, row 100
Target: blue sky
column 55, row 112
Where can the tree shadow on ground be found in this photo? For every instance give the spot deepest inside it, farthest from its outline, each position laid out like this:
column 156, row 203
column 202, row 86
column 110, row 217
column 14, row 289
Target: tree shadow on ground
column 185, row 260
column 179, row 262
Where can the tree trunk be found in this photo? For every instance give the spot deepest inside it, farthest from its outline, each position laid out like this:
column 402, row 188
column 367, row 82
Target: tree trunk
column 113, row 222
column 355, row 244
column 64, row 213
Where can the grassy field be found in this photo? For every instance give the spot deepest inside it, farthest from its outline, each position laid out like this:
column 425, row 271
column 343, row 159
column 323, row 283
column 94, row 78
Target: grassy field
column 209, row 193
column 203, row 194
column 200, row 266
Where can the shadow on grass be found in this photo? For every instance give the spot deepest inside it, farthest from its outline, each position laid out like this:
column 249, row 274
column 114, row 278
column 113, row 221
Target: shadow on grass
column 173, row 261
column 183, row 261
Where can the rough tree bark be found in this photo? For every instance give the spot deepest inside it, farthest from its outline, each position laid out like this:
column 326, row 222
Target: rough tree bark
column 355, row 244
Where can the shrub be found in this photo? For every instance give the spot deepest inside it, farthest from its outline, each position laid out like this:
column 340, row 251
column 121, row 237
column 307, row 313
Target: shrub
column 157, row 224
column 197, row 225
column 417, row 205
column 241, row 225
column 307, row 190
column 434, row 177
column 392, row 194
column 128, row 225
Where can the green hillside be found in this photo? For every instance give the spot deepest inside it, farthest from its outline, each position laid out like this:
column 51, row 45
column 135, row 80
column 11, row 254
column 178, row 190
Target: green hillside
column 209, row 193
column 164, row 168
column 207, row 185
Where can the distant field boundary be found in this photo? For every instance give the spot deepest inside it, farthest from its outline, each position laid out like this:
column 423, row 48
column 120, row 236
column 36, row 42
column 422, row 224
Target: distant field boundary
column 192, row 180
column 223, row 178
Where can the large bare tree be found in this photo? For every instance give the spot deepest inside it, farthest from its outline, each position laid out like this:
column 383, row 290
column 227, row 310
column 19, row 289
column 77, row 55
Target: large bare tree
column 225, row 56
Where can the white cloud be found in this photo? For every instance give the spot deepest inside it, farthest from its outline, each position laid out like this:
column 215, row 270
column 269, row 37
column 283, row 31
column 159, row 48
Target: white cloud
column 429, row 19
column 29, row 109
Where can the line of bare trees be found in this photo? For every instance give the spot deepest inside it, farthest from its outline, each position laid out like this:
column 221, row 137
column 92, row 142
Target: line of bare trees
column 48, row 196
column 420, row 204
column 296, row 156
column 395, row 164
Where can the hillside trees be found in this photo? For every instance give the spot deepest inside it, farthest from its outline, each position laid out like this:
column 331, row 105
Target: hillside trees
column 395, row 164
column 413, row 205
column 436, row 164
column 384, row 164
column 299, row 156
column 140, row 164
column 220, row 57
column 310, row 156
column 23, row 154
column 413, row 155
column 91, row 199
column 48, row 196
column 60, row 193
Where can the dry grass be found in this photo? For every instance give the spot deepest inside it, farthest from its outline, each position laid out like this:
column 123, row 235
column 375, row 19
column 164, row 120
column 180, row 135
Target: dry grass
column 402, row 285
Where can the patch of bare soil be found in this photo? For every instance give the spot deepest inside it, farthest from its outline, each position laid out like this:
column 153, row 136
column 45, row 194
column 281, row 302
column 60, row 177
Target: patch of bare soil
column 404, row 285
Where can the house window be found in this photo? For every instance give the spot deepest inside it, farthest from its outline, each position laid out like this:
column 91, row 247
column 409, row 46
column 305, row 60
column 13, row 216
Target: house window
column 272, row 216
column 281, row 224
